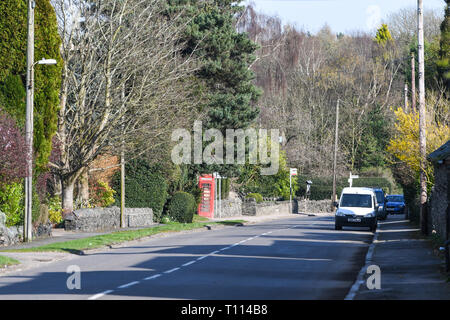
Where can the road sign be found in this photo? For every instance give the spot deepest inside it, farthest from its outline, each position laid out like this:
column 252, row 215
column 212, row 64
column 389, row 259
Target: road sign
column 293, row 171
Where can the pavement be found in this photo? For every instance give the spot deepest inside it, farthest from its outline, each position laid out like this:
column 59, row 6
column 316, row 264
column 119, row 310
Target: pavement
column 409, row 267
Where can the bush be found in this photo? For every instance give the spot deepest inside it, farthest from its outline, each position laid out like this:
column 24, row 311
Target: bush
column 102, row 195
column 182, row 207
column 55, row 210
column 258, row 197
column 144, row 188
column 12, row 203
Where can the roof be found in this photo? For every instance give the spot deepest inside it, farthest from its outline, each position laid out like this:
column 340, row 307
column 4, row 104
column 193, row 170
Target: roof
column 440, row 153
column 358, row 190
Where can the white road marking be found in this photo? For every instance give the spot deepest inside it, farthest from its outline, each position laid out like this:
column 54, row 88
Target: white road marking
column 359, row 280
column 153, row 277
column 128, row 285
column 99, row 295
column 172, row 270
column 188, row 263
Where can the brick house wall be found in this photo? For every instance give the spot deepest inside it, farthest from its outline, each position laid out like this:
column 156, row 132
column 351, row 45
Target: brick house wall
column 103, row 168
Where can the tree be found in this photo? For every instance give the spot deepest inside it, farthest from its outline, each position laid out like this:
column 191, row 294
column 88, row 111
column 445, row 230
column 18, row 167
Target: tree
column 404, row 146
column 226, row 56
column 13, row 35
column 124, row 83
column 444, row 51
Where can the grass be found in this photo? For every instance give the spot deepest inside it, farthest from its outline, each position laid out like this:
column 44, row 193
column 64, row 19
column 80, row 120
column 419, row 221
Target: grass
column 79, row 245
column 6, row 261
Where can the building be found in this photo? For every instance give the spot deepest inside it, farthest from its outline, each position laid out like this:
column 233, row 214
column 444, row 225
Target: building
column 440, row 195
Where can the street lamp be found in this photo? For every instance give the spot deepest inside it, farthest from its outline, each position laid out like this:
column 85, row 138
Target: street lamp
column 27, row 230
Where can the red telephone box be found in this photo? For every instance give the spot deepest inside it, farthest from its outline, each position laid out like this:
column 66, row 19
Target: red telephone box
column 206, row 206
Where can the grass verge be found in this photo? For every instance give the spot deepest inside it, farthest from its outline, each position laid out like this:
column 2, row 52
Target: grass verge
column 7, row 261
column 79, row 245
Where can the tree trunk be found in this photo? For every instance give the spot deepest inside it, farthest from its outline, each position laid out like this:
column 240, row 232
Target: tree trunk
column 67, row 196
column 83, row 188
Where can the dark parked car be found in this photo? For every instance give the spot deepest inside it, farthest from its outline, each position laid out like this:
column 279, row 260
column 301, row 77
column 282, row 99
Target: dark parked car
column 395, row 203
column 381, row 200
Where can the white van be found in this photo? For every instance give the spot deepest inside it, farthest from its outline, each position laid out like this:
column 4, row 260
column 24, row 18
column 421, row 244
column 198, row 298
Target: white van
column 357, row 207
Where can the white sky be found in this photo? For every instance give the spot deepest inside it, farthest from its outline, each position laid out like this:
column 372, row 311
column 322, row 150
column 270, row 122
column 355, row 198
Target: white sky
column 341, row 15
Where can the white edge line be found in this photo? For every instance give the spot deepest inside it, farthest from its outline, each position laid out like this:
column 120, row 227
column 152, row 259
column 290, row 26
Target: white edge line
column 354, row 289
column 99, row 295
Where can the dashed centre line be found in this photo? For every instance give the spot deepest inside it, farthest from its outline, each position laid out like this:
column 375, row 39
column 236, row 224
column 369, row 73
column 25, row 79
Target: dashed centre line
column 101, row 294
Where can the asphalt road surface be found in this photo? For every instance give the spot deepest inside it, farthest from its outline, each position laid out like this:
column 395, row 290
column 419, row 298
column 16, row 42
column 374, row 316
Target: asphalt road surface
column 295, row 258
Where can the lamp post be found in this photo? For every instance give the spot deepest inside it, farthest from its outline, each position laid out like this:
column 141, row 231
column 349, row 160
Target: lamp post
column 27, row 230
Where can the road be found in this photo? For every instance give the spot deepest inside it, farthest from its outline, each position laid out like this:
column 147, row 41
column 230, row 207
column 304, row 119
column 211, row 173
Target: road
column 294, row 258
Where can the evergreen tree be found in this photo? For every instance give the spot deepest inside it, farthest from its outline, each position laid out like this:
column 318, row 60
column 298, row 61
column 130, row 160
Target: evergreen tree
column 226, row 56
column 13, row 46
column 444, row 52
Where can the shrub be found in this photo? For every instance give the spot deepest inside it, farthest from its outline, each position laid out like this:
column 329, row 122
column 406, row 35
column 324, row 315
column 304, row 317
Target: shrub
column 55, row 210
column 144, row 188
column 102, row 195
column 182, row 207
column 11, row 203
column 258, row 197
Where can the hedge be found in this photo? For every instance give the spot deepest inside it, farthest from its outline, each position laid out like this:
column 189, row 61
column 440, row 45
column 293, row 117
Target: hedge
column 322, row 187
column 144, row 188
column 258, row 197
column 182, row 207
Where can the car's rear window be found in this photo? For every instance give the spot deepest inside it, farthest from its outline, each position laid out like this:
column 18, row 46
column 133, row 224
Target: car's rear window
column 356, row 200
column 394, row 198
column 379, row 194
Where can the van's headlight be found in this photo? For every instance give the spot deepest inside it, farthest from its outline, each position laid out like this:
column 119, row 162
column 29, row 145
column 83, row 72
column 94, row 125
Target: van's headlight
column 370, row 215
column 339, row 213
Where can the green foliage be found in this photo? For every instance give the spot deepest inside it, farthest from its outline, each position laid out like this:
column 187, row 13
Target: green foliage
column 47, row 79
column 12, row 203
column 145, row 187
column 258, row 197
column 55, row 210
column 443, row 63
column 383, row 35
column 276, row 185
column 225, row 58
column 182, row 207
column 103, row 195
column 322, row 187
column 224, row 188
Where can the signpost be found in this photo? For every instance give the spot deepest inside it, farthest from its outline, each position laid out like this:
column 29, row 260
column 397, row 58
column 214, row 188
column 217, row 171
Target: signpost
column 350, row 180
column 292, row 172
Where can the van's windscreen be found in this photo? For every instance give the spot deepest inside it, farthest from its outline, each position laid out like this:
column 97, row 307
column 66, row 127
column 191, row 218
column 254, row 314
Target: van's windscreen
column 356, row 200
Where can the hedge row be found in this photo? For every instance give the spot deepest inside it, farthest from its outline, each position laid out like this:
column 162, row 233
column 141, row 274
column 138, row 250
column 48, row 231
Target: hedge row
column 322, row 187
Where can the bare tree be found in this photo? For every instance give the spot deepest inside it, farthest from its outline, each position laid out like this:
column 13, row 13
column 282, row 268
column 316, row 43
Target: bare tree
column 124, row 82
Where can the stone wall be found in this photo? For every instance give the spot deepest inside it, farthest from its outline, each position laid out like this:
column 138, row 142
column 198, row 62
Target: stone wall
column 14, row 234
column 230, row 208
column 251, row 208
column 98, row 219
column 438, row 202
column 314, row 206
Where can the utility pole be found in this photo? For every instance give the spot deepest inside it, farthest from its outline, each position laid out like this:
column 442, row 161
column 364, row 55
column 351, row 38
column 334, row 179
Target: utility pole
column 27, row 229
column 406, row 98
column 413, row 83
column 422, row 121
column 335, row 153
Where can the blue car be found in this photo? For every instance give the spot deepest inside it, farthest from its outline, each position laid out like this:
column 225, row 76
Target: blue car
column 395, row 204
